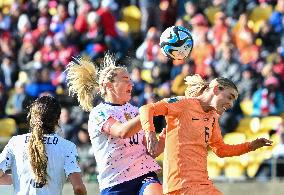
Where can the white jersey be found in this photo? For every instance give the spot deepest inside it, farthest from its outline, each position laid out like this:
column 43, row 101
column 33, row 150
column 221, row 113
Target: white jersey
column 119, row 160
column 62, row 161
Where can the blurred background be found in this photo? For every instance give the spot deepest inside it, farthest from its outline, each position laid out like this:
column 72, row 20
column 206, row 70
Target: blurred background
column 242, row 40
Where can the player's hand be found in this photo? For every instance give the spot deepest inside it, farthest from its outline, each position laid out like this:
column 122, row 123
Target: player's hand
column 162, row 135
column 259, row 142
column 152, row 142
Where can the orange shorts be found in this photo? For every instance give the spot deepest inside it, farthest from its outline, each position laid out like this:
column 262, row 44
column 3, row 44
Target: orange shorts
column 198, row 189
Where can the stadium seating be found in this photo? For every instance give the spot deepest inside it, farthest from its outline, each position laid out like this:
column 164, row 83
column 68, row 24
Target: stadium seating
column 234, row 167
column 210, row 13
column 248, row 125
column 259, row 15
column 132, row 16
column 270, row 123
column 214, row 165
column 7, row 130
column 255, row 158
column 246, row 106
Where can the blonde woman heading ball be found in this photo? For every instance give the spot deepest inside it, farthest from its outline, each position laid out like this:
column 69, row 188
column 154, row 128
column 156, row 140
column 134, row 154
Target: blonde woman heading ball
column 124, row 166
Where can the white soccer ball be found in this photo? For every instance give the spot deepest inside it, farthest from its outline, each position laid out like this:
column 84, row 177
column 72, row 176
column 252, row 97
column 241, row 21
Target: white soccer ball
column 176, row 42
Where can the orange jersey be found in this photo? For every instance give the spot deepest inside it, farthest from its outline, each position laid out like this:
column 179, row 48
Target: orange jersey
column 189, row 131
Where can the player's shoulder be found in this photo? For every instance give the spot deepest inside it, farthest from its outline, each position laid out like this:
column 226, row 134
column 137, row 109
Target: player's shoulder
column 17, row 138
column 176, row 99
column 129, row 106
column 64, row 142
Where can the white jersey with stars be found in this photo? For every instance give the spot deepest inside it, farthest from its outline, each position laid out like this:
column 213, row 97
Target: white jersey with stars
column 118, row 160
column 62, row 161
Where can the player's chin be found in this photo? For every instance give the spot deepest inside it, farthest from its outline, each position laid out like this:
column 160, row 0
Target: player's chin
column 127, row 98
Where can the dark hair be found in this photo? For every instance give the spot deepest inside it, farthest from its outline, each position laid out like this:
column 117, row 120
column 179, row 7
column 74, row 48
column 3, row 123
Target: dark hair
column 43, row 116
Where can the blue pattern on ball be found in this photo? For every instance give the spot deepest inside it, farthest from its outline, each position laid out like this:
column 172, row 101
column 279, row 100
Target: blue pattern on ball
column 176, row 42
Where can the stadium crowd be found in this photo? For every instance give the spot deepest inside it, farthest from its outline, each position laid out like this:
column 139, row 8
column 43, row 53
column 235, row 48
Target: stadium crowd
column 239, row 40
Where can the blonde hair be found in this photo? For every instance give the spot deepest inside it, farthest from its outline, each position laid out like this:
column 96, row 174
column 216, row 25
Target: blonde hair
column 85, row 80
column 196, row 85
column 43, row 117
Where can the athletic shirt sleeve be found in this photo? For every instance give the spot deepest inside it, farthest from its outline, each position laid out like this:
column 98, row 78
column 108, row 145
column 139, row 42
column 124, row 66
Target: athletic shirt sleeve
column 225, row 150
column 71, row 161
column 171, row 106
column 6, row 157
column 98, row 117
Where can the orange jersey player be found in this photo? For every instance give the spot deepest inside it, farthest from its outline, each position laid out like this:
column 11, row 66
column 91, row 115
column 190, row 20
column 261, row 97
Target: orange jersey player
column 192, row 125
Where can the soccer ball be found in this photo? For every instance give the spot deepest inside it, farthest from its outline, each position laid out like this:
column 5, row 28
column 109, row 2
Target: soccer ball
column 176, row 42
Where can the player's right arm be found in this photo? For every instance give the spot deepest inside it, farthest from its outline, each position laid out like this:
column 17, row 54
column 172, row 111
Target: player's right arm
column 77, row 184
column 6, row 163
column 122, row 130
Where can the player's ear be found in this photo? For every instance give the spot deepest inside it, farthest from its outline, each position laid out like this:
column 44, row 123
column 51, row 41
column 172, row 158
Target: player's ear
column 216, row 89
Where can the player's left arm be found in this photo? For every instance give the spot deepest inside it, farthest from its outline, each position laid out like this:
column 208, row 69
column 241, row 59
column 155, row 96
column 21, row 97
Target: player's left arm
column 222, row 149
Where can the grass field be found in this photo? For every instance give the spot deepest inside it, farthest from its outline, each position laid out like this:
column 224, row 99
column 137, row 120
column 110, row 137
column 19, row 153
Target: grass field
column 228, row 188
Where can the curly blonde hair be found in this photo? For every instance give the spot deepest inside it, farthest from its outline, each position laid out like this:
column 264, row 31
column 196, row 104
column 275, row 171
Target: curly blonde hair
column 85, row 79
column 196, row 85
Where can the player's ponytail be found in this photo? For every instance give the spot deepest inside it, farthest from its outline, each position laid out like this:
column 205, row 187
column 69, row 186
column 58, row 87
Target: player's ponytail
column 195, row 85
column 85, row 80
column 43, row 117
column 82, row 81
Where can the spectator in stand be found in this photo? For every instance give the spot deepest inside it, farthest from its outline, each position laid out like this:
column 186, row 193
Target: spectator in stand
column 81, row 24
column 218, row 29
column 3, row 100
column 191, row 9
column 268, row 100
column 64, row 49
column 202, row 53
column 57, row 74
column 248, row 83
column 149, row 50
column 10, row 72
column 114, row 42
column 27, row 50
column 241, row 32
column 249, row 54
column 41, row 31
column 48, row 51
column 276, row 21
column 35, row 63
column 178, row 84
column 67, row 128
column 94, row 39
column 87, row 160
column 228, row 66
column 150, row 15
column 23, row 26
column 168, row 12
column 15, row 105
column 58, row 20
